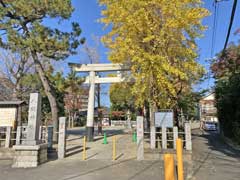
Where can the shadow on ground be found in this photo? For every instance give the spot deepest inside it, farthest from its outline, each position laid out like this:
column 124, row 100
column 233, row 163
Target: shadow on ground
column 216, row 143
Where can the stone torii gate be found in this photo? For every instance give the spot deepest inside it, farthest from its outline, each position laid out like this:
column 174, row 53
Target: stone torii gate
column 92, row 79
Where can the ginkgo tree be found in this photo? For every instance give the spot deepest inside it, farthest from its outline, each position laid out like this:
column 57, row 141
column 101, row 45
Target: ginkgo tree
column 157, row 39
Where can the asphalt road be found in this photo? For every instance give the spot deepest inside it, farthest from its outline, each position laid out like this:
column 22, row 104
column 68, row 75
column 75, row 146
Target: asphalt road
column 213, row 159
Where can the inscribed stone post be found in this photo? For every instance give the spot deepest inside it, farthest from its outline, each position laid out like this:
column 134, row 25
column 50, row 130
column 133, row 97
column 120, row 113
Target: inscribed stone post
column 175, row 136
column 8, row 137
column 152, row 137
column 18, row 136
column 140, row 138
column 164, row 138
column 34, row 119
column 62, row 138
column 188, row 137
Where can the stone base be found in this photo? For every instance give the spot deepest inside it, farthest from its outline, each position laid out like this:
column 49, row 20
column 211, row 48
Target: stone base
column 90, row 134
column 29, row 156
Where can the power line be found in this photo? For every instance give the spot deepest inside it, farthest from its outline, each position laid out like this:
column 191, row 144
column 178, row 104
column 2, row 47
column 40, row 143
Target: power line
column 230, row 24
column 215, row 21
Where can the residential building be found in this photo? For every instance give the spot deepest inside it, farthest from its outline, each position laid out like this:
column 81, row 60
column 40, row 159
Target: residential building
column 208, row 111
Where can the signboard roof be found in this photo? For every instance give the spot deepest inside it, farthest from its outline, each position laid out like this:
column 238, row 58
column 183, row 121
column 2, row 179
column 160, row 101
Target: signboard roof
column 5, row 103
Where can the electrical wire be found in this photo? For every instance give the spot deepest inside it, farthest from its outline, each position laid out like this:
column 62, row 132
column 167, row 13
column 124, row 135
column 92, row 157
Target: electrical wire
column 214, row 30
column 230, row 24
column 214, row 34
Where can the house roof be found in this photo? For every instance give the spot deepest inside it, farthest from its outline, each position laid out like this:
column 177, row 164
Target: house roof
column 209, row 94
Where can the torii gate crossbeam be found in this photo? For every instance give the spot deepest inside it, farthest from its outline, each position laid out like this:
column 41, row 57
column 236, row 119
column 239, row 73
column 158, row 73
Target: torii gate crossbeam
column 92, row 79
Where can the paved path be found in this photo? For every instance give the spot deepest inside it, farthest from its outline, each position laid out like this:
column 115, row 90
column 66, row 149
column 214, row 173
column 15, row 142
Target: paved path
column 126, row 149
column 99, row 164
column 74, row 169
column 213, row 159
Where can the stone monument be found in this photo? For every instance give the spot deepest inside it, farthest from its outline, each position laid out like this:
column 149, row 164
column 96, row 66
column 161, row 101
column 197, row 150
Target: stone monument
column 62, row 138
column 32, row 151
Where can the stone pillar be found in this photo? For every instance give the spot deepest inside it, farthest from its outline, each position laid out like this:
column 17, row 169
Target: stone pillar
column 62, row 138
column 91, row 104
column 140, row 138
column 129, row 126
column 8, row 137
column 50, row 136
column 31, row 153
column 188, row 136
column 34, row 119
column 175, row 136
column 18, row 136
column 152, row 137
column 164, row 138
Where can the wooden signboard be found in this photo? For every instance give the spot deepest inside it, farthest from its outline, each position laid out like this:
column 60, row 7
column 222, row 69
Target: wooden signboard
column 7, row 116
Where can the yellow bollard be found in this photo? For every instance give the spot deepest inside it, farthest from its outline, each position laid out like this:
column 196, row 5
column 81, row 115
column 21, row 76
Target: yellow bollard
column 84, row 149
column 180, row 159
column 114, row 148
column 169, row 167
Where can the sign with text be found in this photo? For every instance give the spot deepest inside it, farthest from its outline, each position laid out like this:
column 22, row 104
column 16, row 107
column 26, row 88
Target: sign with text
column 164, row 119
column 7, row 116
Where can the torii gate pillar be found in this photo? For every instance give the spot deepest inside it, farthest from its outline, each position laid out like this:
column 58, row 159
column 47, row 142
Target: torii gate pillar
column 91, row 105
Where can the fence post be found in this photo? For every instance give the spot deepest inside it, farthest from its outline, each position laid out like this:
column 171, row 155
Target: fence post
column 188, row 137
column 18, row 136
column 153, row 137
column 8, row 137
column 164, row 138
column 175, row 136
column 62, row 138
column 140, row 138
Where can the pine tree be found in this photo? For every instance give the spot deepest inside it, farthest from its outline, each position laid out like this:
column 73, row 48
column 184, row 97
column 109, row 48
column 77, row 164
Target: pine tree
column 23, row 29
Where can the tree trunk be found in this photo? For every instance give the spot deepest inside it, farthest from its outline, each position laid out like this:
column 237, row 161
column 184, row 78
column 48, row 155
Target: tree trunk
column 49, row 93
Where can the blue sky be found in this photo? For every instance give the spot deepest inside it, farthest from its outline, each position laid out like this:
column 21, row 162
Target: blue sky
column 87, row 13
